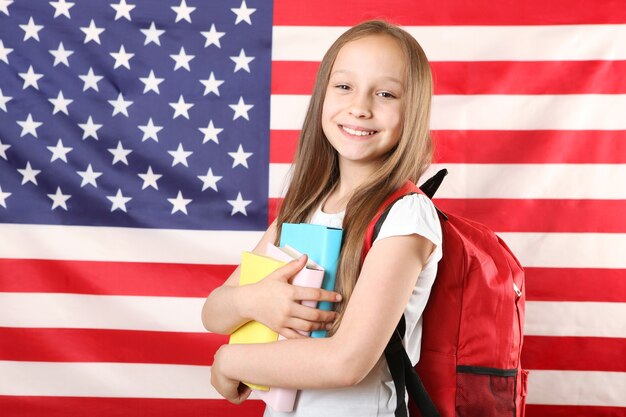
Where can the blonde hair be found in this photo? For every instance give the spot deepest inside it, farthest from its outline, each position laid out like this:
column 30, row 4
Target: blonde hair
column 315, row 170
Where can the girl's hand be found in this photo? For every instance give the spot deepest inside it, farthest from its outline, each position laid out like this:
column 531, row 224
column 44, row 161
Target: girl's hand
column 277, row 302
column 231, row 389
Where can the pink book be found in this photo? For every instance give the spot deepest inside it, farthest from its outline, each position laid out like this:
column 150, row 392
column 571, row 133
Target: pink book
column 283, row 399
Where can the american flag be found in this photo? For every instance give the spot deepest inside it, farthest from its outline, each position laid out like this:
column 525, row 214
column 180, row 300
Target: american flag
column 144, row 145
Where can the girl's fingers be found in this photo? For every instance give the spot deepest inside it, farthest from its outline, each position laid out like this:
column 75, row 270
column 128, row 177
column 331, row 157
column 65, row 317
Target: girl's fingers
column 290, row 334
column 315, row 294
column 312, row 314
column 307, row 326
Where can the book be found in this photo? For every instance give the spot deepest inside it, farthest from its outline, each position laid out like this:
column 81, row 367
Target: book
column 254, row 268
column 284, row 399
column 322, row 244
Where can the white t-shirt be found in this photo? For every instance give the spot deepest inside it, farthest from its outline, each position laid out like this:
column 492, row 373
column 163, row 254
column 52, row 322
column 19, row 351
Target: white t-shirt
column 375, row 396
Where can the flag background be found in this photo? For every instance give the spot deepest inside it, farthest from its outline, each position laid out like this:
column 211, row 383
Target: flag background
column 99, row 307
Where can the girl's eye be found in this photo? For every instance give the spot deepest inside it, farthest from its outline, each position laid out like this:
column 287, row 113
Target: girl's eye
column 342, row 86
column 386, row 94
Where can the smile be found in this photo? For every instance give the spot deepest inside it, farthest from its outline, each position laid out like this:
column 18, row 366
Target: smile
column 357, row 132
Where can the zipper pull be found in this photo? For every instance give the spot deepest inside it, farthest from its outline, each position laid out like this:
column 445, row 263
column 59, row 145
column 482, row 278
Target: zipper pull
column 517, row 291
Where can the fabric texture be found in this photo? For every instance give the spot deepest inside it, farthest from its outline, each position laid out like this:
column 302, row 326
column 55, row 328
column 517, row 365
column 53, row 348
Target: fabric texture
column 375, row 395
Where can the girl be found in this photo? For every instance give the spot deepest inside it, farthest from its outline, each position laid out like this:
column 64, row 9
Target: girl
column 366, row 132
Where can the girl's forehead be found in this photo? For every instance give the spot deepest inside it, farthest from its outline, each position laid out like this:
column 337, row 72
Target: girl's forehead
column 375, row 54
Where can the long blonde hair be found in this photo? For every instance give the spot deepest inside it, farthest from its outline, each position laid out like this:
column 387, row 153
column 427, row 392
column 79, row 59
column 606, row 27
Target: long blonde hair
column 315, row 170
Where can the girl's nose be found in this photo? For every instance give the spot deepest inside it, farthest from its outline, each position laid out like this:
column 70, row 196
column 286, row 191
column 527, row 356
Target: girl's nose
column 361, row 107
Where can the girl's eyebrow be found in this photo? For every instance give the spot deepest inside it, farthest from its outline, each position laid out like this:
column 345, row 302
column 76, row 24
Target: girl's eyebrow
column 384, row 77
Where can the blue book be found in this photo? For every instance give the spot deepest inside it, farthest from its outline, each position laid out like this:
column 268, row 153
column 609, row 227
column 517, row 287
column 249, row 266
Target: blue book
column 322, row 244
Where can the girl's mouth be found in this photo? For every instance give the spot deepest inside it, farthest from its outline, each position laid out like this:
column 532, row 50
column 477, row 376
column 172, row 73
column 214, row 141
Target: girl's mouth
column 357, row 132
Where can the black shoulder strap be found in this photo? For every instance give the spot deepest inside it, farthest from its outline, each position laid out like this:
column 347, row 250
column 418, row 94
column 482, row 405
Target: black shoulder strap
column 431, row 185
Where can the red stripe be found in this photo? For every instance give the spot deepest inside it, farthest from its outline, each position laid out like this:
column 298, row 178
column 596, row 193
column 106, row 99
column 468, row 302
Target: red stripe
column 544, row 216
column 576, row 284
column 574, row 353
column 501, row 146
column 502, row 77
column 451, row 12
column 95, row 345
column 21, row 406
column 111, row 278
column 573, row 411
column 541, row 216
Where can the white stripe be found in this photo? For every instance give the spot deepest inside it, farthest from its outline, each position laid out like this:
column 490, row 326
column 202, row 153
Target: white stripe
column 74, row 311
column 515, row 181
column 171, row 314
column 491, row 112
column 568, row 250
column 473, row 43
column 586, row 319
column 125, row 244
column 577, row 388
column 125, row 380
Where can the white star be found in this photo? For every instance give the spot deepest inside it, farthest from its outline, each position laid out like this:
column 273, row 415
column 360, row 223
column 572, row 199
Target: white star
column 59, row 151
column 240, row 157
column 4, row 52
column 3, row 150
column 182, row 59
column 120, row 105
column 90, row 129
column 123, row 10
column 31, row 30
column 118, row 201
column 181, row 108
column 92, row 32
column 211, row 85
column 3, row 198
column 89, row 176
column 152, row 34
column 213, row 37
column 119, row 154
column 60, row 55
column 242, row 61
column 239, row 205
column 122, row 58
column 243, row 13
column 150, row 179
column 59, row 199
column 241, row 109
column 30, row 78
column 179, row 203
column 183, row 12
column 29, row 174
column 91, row 80
column 180, row 155
column 29, row 126
column 150, row 131
column 60, row 103
column 151, row 83
column 62, row 7
column 209, row 180
column 4, row 100
column 210, row 132
column 4, row 6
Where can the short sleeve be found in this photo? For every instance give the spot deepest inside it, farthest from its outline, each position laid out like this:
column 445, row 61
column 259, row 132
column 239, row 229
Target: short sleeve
column 413, row 214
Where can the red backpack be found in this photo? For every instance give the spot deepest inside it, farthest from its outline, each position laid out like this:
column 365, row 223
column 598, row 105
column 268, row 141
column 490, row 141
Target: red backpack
column 473, row 323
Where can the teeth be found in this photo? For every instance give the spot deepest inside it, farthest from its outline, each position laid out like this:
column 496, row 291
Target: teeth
column 358, row 132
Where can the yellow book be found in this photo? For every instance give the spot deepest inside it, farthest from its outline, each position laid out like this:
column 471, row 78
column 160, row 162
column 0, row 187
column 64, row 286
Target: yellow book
column 253, row 269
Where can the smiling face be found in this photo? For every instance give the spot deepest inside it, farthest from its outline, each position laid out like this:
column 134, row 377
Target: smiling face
column 363, row 105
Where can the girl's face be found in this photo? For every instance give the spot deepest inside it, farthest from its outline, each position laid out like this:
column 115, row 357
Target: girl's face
column 362, row 111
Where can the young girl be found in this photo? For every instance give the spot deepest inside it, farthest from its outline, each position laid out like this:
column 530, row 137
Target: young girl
column 366, row 132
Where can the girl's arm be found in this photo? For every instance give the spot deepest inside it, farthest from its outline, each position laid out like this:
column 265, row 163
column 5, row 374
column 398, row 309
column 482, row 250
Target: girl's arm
column 273, row 301
column 377, row 303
